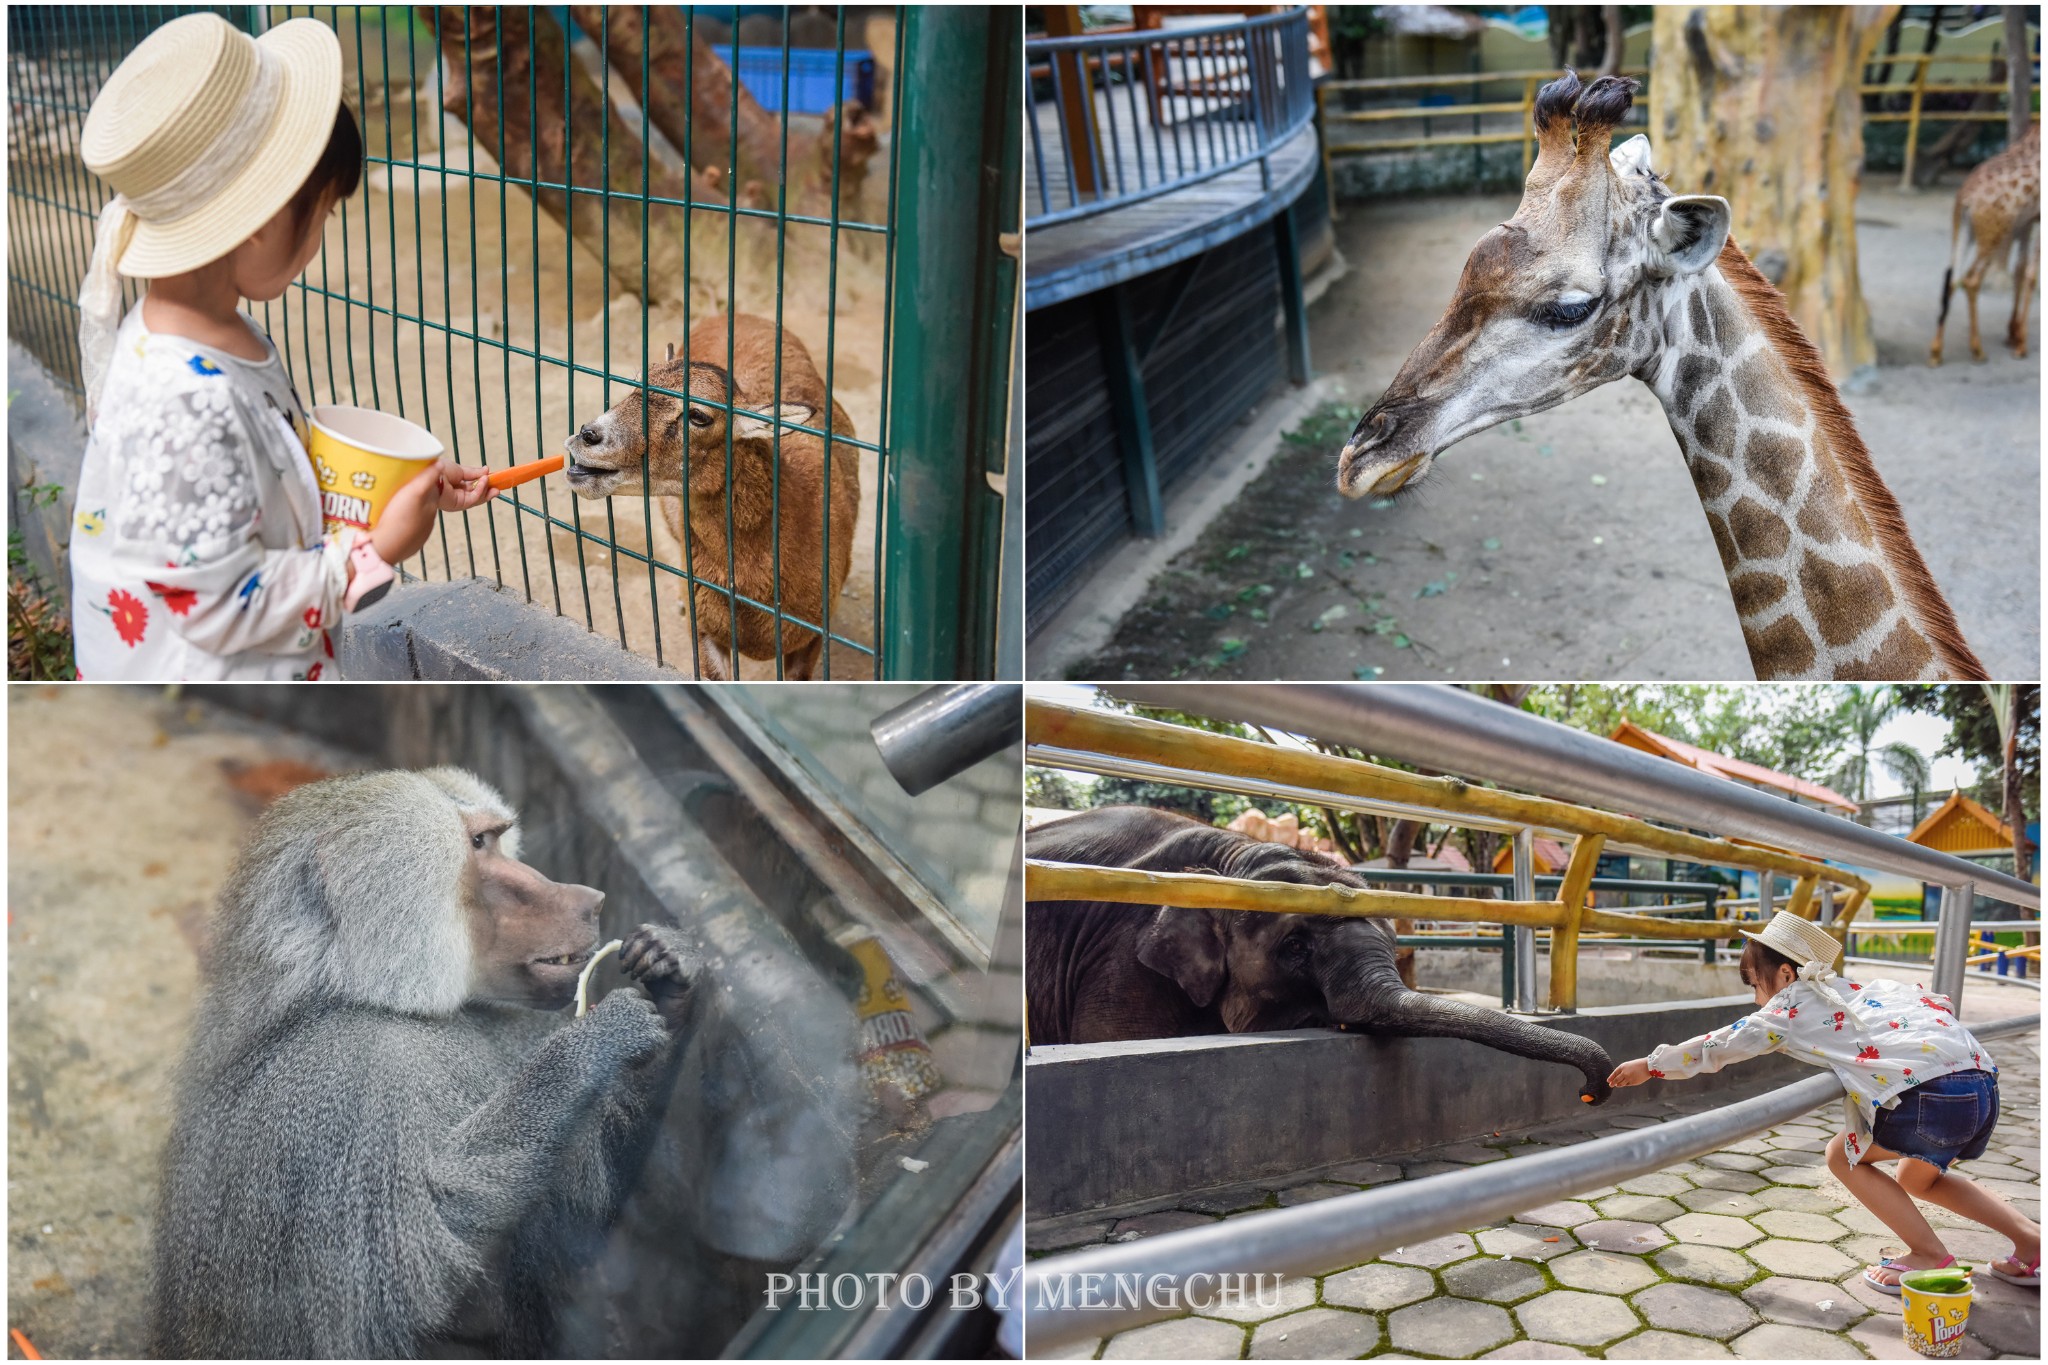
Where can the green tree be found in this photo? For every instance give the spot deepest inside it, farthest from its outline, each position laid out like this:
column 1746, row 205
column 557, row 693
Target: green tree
column 1866, row 711
column 2009, row 773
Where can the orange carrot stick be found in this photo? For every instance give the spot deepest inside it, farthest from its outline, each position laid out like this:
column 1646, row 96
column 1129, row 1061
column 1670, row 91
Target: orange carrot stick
column 28, row 1352
column 522, row 473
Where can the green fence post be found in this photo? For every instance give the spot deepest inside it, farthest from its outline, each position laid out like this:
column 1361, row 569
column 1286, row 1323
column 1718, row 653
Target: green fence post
column 949, row 357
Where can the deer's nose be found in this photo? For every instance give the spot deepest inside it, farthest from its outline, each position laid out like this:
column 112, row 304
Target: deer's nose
column 589, row 434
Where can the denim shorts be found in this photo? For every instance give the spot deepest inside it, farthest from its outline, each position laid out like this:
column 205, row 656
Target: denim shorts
column 1950, row 1118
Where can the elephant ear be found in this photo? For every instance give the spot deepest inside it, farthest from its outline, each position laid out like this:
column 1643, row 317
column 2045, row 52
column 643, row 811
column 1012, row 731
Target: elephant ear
column 1186, row 946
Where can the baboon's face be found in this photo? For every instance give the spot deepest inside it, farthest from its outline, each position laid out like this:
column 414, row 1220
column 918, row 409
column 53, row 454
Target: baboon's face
column 605, row 456
column 529, row 937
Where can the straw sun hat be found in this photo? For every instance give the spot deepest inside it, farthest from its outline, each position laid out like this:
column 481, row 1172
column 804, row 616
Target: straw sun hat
column 1799, row 939
column 203, row 133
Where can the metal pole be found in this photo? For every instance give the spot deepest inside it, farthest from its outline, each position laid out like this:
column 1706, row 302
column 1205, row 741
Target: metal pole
column 1952, row 941
column 943, row 731
column 1292, row 306
column 1525, row 936
column 1450, row 730
column 1313, row 1238
column 1767, row 894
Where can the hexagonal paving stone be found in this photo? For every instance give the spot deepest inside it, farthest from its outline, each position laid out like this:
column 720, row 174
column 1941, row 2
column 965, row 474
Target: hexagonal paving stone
column 1710, row 1265
column 1642, row 1208
column 1885, row 1340
column 1733, row 1161
column 1528, row 1241
column 2007, row 1327
column 1882, row 1304
column 1633, row 1121
column 1803, row 1260
column 1817, row 1144
column 1565, row 1213
column 1615, row 1234
column 1774, row 1341
column 1727, row 1203
column 1263, row 1302
column 1602, row 1272
column 1418, row 1170
column 1860, row 1219
column 1436, row 1251
column 1797, row 1175
column 1470, row 1153
column 1576, row 1319
column 1060, row 1236
column 1798, row 1303
column 1802, row 1200
column 1180, row 1339
column 1317, row 1334
column 1701, row 1312
column 1708, row 1229
column 1152, row 1224
column 1494, row 1281
column 1311, row 1192
column 1668, row 1346
column 1742, row 1182
column 1449, row 1327
column 1807, row 1227
column 1534, row 1350
column 1802, row 1155
column 1378, row 1287
column 1229, row 1200
column 1364, row 1173
column 1658, row 1183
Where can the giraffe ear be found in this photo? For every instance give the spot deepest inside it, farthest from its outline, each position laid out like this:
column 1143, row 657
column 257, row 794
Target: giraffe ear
column 1690, row 231
column 1631, row 157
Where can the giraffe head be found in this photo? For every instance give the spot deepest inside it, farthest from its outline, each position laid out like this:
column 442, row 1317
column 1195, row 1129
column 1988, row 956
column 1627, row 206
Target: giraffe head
column 1555, row 301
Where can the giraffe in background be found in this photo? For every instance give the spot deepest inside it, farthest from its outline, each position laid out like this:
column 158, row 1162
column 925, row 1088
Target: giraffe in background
column 2002, row 197
column 1602, row 273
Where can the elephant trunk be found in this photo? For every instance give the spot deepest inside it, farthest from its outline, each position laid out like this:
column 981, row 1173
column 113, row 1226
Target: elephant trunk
column 1378, row 1002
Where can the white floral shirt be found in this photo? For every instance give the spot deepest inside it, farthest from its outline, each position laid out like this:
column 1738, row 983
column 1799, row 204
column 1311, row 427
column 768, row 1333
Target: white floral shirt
column 197, row 550
column 1890, row 1039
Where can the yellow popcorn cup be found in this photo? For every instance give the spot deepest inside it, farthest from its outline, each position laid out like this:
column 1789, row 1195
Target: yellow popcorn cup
column 1935, row 1311
column 360, row 458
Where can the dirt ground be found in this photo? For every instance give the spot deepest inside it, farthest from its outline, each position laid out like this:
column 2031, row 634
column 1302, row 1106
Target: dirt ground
column 125, row 809
column 1571, row 544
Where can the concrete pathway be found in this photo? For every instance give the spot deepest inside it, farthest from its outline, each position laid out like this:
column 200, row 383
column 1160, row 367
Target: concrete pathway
column 1753, row 1251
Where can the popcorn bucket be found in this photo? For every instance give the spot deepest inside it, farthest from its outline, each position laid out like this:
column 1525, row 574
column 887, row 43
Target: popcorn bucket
column 1937, row 1308
column 360, row 458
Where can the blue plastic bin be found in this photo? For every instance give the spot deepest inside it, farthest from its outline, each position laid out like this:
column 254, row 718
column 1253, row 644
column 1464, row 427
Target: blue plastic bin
column 811, row 87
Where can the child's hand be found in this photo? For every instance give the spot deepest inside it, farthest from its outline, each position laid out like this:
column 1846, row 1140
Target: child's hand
column 464, row 487
column 408, row 519
column 1630, row 1073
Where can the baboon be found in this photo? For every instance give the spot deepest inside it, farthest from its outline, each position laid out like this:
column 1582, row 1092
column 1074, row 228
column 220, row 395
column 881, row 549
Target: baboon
column 389, row 1140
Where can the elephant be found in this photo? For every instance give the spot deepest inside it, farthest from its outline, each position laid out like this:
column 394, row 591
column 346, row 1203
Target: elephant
column 1098, row 971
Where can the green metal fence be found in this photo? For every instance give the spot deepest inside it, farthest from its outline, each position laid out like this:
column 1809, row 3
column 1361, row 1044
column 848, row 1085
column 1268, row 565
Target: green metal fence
column 503, row 285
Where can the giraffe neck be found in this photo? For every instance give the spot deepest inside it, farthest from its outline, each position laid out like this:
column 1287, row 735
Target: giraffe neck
column 1826, row 579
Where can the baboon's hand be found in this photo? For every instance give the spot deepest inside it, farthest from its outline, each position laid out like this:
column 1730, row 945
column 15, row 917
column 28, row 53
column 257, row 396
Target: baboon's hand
column 657, row 959
column 626, row 1026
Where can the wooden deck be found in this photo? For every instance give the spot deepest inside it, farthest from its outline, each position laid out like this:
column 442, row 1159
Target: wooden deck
column 1066, row 260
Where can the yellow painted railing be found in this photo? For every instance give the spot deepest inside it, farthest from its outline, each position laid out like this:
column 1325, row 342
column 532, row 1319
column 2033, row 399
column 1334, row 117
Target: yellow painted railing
column 1083, row 740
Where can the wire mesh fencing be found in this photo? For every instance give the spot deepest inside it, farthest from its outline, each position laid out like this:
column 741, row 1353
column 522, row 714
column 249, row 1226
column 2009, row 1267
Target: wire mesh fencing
column 661, row 239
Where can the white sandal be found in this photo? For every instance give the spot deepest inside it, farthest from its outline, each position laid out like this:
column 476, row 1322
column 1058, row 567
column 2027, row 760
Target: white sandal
column 2032, row 1278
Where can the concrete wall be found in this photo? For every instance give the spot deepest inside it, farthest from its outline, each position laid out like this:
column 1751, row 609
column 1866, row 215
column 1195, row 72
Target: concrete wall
column 1115, row 1123
column 1621, row 979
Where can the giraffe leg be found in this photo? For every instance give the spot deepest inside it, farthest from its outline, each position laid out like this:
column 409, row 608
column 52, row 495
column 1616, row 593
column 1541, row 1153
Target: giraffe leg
column 1971, row 282
column 2026, row 265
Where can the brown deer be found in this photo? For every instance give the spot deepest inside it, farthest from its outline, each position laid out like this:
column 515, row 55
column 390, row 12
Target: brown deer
column 606, row 457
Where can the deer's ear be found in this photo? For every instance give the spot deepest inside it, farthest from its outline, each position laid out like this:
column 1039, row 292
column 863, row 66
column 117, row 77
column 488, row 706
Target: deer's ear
column 1690, row 231
column 745, row 427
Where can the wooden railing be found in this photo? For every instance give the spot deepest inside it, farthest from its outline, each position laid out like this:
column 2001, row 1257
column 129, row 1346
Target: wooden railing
column 1531, row 81
column 1100, row 742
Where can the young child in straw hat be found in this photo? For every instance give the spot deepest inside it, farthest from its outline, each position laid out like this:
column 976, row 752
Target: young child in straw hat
column 197, row 550
column 1921, row 1090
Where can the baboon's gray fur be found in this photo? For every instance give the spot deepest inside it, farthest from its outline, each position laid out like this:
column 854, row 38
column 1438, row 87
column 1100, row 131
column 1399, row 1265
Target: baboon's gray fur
column 365, row 1162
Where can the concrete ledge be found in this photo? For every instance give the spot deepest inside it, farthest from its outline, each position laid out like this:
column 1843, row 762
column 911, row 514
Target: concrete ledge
column 472, row 630
column 1118, row 1123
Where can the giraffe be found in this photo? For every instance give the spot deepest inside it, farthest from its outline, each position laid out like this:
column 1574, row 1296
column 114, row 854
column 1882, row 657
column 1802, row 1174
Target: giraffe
column 1603, row 272
column 2002, row 198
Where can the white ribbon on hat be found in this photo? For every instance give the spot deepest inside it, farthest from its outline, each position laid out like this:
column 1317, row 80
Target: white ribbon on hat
column 99, row 294
column 1818, row 975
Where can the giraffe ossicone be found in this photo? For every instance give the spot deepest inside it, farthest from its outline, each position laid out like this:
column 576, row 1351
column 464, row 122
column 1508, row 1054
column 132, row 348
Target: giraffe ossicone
column 1604, row 273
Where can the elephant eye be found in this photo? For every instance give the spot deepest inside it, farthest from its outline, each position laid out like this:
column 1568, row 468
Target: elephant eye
column 1294, row 948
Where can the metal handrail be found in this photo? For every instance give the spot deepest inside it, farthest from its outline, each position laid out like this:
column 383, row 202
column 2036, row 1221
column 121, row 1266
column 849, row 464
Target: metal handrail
column 1313, row 1238
column 1217, row 98
column 1448, row 729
